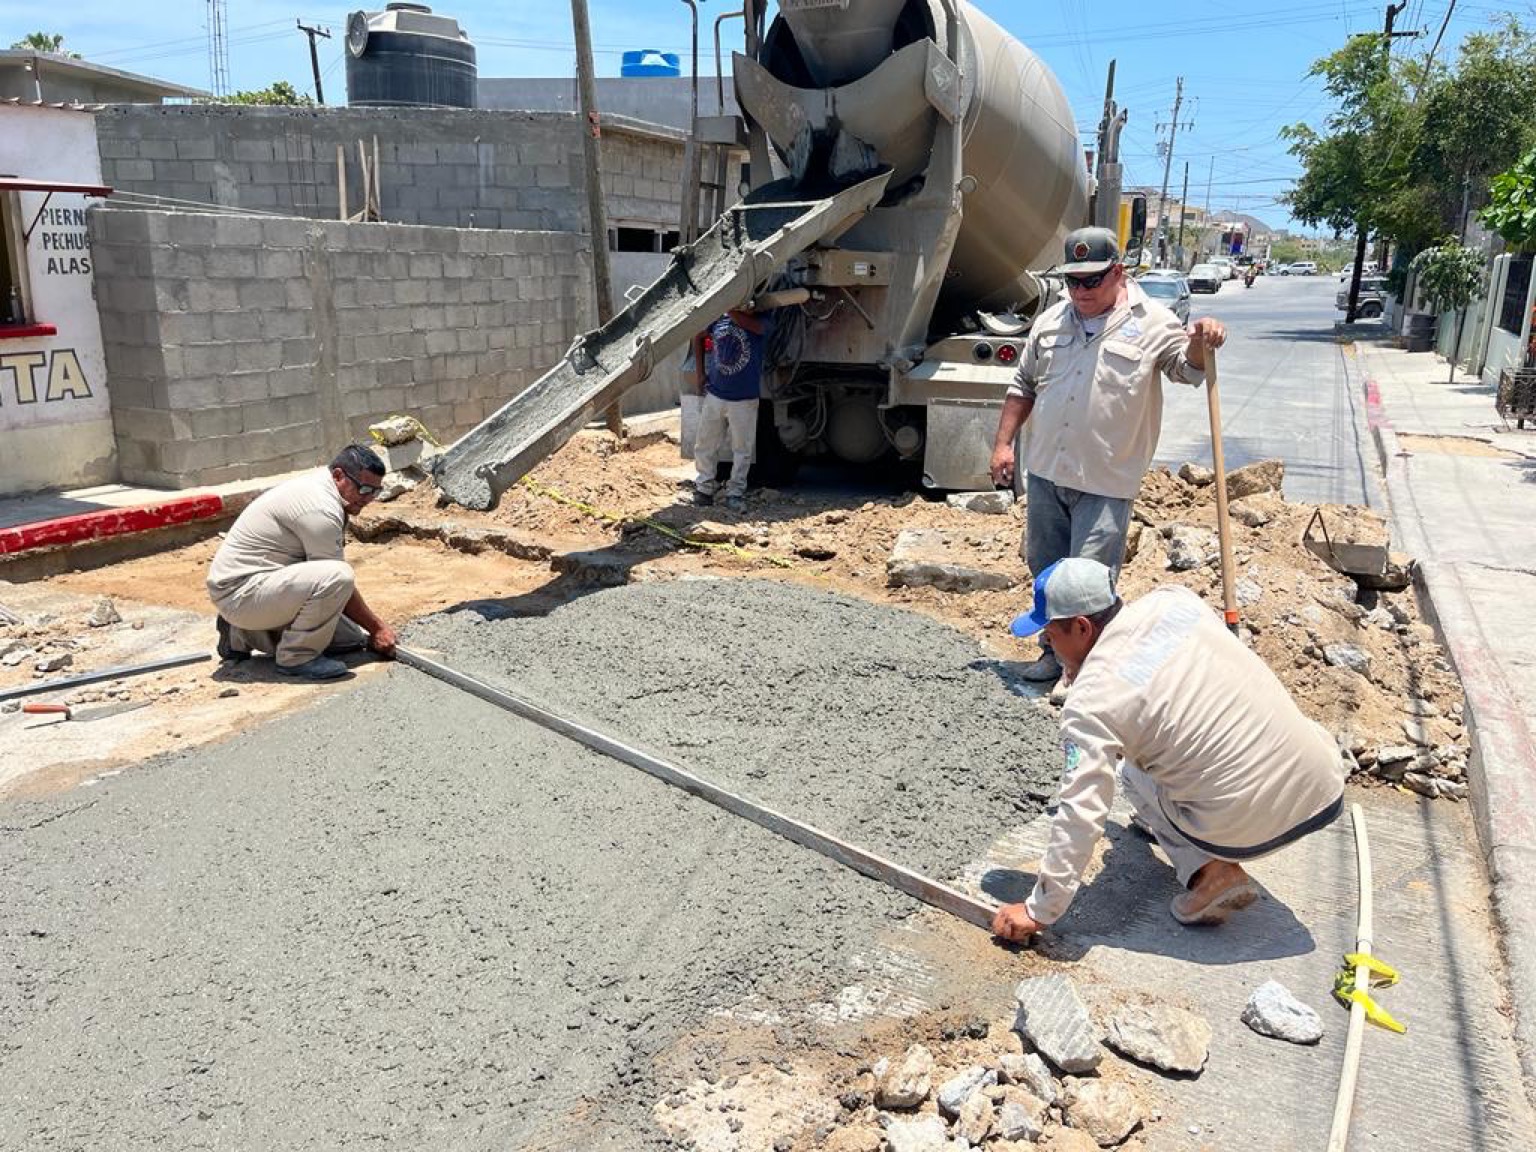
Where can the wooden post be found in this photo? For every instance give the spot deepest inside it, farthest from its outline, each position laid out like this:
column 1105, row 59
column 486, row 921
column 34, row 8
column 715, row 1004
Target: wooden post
column 591, row 135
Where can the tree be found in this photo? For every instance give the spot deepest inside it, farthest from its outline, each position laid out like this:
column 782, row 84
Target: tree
column 1451, row 277
column 43, row 42
column 279, row 93
column 1511, row 210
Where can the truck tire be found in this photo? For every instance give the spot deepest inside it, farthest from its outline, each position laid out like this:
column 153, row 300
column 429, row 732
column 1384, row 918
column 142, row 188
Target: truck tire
column 1370, row 310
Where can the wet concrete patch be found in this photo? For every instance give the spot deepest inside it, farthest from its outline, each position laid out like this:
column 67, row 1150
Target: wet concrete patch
column 406, row 917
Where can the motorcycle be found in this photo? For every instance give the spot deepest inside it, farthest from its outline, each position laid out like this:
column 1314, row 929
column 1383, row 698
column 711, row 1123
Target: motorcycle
column 1249, row 277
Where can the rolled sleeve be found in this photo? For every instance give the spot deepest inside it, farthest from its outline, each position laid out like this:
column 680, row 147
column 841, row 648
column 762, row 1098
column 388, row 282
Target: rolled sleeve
column 1173, row 360
column 1087, row 792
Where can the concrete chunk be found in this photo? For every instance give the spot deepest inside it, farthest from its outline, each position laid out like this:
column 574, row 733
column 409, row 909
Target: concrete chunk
column 922, row 1134
column 925, row 557
column 1054, row 1020
column 1162, row 1036
column 986, row 503
column 955, row 1091
column 908, row 1084
column 1106, row 1110
column 1273, row 1011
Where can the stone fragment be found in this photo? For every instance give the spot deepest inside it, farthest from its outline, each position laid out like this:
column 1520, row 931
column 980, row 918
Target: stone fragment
column 986, row 503
column 1196, row 474
column 1133, row 540
column 11, row 706
column 1189, row 547
column 1273, row 1011
column 1260, row 476
column 55, row 662
column 1029, row 1072
column 1052, row 1018
column 925, row 557
column 17, row 656
column 974, row 1120
column 10, row 645
column 1249, row 592
column 1106, row 1110
column 395, row 430
column 1014, row 1122
column 103, row 614
column 1161, row 1035
column 959, row 1088
column 1435, row 787
column 919, row 1134
column 397, row 484
column 815, row 550
column 1072, row 1140
column 1249, row 515
column 908, row 1084
column 1394, row 753
column 229, row 693
column 1348, row 656
column 1379, row 618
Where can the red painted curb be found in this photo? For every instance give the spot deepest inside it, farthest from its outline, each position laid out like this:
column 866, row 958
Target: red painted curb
column 108, row 522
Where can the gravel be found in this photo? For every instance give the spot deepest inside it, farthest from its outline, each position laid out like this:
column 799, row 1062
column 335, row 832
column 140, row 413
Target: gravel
column 405, row 918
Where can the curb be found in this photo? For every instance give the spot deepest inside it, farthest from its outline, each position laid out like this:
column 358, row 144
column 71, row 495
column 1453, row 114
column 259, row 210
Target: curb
column 108, row 522
column 1502, row 767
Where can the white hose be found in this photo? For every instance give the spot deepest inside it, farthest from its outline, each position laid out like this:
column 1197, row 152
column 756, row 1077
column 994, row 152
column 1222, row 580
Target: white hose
column 1345, row 1102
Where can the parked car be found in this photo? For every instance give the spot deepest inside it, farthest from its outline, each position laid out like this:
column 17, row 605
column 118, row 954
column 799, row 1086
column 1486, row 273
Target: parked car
column 1279, row 270
column 1373, row 297
column 1169, row 289
column 1300, row 268
column 1205, row 278
column 1225, row 266
column 1369, row 270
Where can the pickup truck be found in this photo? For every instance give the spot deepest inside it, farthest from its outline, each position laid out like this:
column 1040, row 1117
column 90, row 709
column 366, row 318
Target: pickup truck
column 1373, row 297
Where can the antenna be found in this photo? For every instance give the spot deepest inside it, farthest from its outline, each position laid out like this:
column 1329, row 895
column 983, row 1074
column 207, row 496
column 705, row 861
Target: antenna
column 218, row 49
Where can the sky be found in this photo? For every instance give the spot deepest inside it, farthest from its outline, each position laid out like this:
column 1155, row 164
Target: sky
column 1244, row 64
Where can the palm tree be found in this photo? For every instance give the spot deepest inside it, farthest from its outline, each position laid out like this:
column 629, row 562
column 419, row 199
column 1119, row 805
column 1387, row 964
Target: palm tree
column 43, row 42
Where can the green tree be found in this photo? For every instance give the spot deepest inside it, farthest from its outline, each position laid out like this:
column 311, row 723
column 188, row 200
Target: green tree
column 1451, row 277
column 1511, row 210
column 43, row 42
column 279, row 93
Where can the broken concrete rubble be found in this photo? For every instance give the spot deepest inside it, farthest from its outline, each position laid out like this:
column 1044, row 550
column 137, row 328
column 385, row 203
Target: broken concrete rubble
column 1251, row 479
column 987, row 503
column 1106, row 1110
column 955, row 1091
column 1161, row 1035
column 1053, row 1019
column 927, row 557
column 919, row 1134
column 1273, row 1011
column 907, row 1085
column 103, row 614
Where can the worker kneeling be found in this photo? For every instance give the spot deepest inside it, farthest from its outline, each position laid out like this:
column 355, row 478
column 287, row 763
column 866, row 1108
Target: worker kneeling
column 1217, row 761
column 279, row 582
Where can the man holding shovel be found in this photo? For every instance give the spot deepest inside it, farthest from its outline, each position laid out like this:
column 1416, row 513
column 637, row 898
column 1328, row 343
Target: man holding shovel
column 1090, row 386
column 1219, row 764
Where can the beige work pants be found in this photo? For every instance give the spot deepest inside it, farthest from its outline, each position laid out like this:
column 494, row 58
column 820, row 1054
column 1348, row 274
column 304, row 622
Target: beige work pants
column 1142, row 792
column 293, row 612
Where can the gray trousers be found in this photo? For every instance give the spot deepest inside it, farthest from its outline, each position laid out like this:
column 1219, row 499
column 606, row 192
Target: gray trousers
column 293, row 613
column 1061, row 522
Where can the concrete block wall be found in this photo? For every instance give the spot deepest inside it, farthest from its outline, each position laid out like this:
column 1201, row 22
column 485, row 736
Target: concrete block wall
column 242, row 346
column 462, row 168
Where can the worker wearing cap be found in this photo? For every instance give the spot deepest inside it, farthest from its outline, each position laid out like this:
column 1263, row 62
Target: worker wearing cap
column 279, row 582
column 1089, row 385
column 1218, row 763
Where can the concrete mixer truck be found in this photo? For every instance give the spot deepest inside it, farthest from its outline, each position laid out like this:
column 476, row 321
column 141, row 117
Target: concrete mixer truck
column 913, row 167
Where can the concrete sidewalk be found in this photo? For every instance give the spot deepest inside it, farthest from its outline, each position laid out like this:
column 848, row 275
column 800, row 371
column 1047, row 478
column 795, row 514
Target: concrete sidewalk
column 1461, row 486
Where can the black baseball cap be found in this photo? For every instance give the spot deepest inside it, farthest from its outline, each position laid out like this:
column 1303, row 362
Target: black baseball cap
column 1089, row 251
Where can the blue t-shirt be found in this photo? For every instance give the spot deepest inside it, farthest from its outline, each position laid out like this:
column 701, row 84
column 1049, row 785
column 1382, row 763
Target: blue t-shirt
column 735, row 360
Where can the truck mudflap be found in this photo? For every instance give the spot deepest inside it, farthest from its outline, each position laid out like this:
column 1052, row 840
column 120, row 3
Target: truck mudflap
column 718, row 272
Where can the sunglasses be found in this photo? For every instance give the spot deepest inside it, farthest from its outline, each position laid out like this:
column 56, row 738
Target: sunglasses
column 1087, row 283
column 362, row 489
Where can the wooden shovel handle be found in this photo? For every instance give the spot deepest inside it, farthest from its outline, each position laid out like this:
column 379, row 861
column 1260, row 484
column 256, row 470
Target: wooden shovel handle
column 1223, row 523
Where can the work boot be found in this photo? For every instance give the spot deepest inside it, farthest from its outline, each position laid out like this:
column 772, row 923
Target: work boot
column 346, row 647
column 1043, row 670
column 736, row 503
column 320, row 668
column 702, row 498
column 1219, row 889
column 226, row 645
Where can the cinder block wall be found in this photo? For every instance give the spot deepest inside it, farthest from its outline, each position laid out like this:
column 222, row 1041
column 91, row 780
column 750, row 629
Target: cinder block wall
column 437, row 166
column 244, row 346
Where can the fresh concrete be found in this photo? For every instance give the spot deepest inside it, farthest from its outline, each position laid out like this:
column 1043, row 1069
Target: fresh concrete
column 406, row 918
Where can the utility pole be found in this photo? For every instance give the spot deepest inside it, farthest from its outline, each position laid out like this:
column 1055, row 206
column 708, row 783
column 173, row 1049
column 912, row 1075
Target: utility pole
column 1183, row 211
column 314, row 57
column 1106, row 199
column 602, row 280
column 1162, row 200
column 1393, row 12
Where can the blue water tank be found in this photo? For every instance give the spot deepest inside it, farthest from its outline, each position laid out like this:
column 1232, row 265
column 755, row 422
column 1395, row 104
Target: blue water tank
column 649, row 62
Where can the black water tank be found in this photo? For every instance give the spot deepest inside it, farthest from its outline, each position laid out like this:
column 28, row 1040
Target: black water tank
column 408, row 57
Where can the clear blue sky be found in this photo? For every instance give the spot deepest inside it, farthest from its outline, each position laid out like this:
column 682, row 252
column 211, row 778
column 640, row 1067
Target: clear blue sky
column 1244, row 64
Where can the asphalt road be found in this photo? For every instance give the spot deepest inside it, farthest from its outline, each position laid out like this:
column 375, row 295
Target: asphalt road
column 1284, row 392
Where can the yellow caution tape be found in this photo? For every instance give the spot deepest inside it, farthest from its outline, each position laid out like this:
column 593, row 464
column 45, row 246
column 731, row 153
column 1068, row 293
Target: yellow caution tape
column 1379, row 974
column 655, row 525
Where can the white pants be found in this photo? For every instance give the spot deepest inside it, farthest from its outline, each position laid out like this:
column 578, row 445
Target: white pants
column 717, row 419
column 293, row 612
column 1141, row 791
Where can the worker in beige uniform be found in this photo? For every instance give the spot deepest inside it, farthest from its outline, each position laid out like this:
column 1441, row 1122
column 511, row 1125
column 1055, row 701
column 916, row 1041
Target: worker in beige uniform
column 1218, row 763
column 279, row 581
column 1089, row 384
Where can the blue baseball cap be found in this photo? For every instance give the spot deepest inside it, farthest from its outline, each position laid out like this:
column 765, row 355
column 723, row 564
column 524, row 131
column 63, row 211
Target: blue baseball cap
column 1075, row 586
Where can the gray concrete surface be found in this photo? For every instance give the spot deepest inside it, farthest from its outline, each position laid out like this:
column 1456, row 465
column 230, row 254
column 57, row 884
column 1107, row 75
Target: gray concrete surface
column 407, row 919
column 1462, row 490
column 1284, row 392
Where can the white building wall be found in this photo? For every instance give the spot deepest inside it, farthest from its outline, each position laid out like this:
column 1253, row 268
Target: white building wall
column 55, row 417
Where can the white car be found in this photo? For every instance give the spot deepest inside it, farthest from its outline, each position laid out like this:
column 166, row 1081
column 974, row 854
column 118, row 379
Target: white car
column 1225, row 266
column 1300, row 268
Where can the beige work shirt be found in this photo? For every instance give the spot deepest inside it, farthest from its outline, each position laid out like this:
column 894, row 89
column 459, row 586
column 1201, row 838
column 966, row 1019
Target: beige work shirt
column 1168, row 688
column 301, row 519
column 1099, row 400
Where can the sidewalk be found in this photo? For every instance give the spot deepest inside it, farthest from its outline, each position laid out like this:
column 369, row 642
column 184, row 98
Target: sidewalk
column 1461, row 486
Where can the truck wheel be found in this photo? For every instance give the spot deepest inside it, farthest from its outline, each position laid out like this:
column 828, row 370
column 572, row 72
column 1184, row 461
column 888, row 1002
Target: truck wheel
column 1370, row 311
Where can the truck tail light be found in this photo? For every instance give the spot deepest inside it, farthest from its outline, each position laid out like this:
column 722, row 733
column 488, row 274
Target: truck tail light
column 1008, row 354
